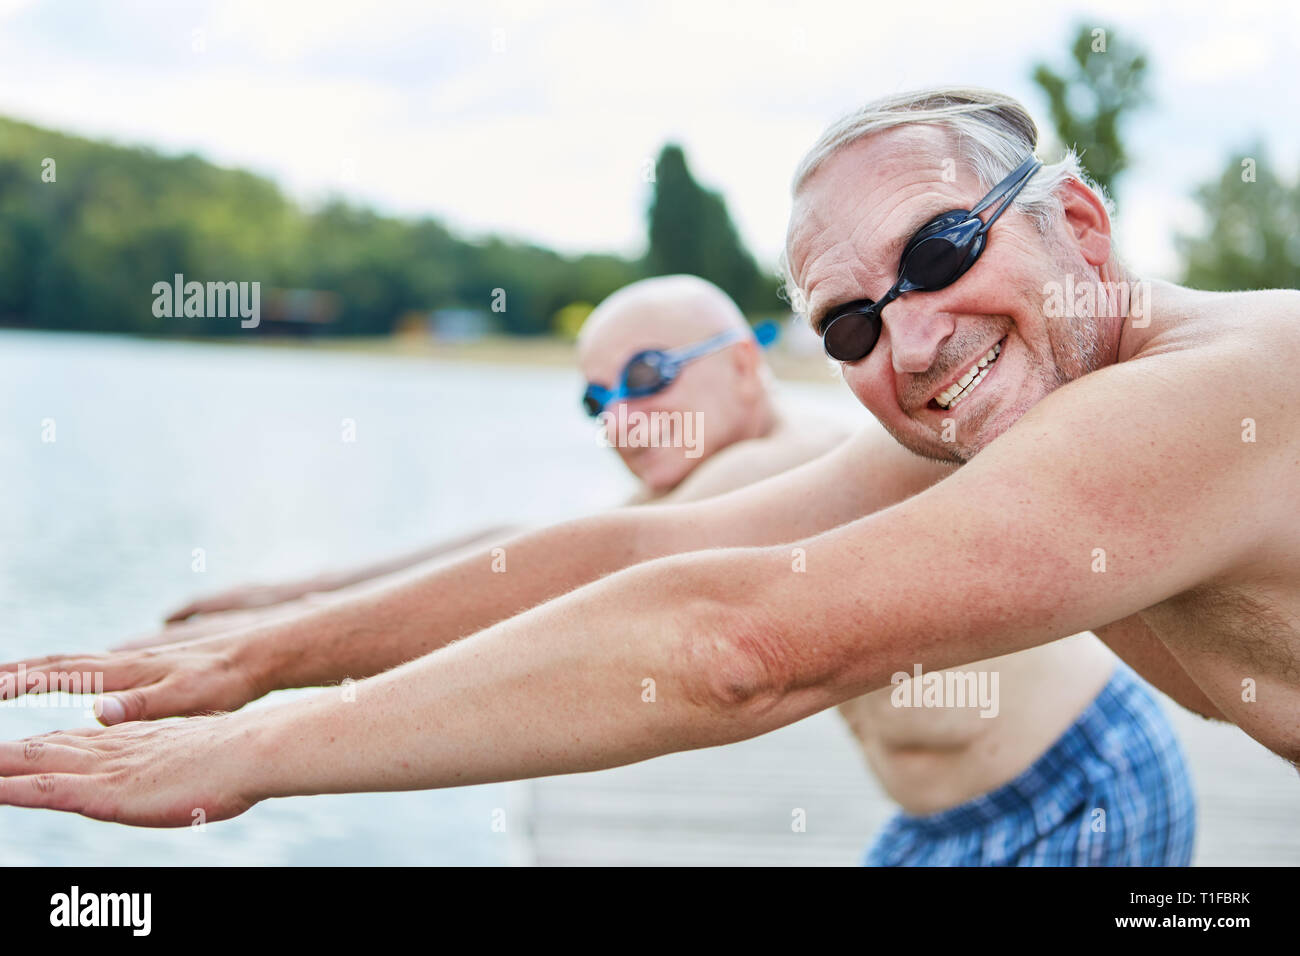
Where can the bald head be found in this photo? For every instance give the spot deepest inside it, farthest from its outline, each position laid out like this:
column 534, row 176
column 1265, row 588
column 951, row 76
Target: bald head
column 726, row 391
column 663, row 312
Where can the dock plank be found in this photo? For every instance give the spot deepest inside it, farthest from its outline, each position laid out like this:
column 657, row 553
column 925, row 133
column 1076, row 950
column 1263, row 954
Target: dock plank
column 735, row 805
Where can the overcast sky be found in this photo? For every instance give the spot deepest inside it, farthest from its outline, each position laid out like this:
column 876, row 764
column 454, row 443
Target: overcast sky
column 537, row 119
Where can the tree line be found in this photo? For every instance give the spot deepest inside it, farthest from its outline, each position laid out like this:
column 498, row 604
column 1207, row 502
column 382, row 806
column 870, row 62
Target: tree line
column 87, row 229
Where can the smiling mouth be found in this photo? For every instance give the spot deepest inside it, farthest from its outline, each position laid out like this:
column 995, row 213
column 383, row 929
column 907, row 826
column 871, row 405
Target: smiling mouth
column 956, row 393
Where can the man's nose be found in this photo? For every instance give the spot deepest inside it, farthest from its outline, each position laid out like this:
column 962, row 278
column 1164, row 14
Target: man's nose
column 916, row 330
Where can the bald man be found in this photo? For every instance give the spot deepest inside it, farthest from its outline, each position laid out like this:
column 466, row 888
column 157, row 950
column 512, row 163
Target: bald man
column 744, row 431
column 722, row 383
column 1015, row 776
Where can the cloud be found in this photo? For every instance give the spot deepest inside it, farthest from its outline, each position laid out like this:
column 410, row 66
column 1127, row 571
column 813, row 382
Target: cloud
column 536, row 118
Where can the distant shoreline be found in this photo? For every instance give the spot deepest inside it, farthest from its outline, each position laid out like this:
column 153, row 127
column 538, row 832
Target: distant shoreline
column 543, row 351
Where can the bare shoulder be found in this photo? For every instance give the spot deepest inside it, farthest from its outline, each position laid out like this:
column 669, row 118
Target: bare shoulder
column 793, row 442
column 1265, row 321
column 1232, row 357
column 1269, row 319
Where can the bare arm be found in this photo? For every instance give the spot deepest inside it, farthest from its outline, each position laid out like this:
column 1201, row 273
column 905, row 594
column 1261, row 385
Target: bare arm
column 427, row 612
column 995, row 559
column 258, row 596
column 383, row 627
column 998, row 558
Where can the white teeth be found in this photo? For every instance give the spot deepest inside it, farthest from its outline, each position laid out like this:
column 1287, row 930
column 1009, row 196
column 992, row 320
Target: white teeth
column 952, row 396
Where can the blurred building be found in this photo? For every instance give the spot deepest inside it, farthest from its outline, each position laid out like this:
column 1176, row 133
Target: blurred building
column 302, row 312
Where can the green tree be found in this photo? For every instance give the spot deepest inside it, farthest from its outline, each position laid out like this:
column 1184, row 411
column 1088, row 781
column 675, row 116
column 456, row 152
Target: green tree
column 1252, row 239
column 84, row 250
column 690, row 231
column 1105, row 81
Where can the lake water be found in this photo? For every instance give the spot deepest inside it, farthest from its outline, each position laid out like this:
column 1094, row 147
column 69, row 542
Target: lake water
column 163, row 447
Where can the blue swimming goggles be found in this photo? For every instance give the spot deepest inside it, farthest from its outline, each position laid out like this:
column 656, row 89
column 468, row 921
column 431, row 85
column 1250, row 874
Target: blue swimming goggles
column 653, row 370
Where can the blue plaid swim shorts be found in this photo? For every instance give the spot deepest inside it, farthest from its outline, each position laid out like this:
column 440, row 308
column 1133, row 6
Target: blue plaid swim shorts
column 1114, row 790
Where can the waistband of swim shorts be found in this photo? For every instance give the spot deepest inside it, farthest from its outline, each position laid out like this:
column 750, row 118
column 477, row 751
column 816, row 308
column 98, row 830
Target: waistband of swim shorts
column 1059, row 770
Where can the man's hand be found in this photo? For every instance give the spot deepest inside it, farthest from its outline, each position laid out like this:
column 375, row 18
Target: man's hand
column 193, row 677
column 158, row 775
column 243, row 597
column 220, row 622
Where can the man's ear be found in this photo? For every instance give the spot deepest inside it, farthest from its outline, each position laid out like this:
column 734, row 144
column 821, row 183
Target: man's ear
column 747, row 361
column 744, row 357
column 1086, row 220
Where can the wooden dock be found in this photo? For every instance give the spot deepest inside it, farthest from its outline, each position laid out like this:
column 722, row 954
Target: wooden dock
column 739, row 805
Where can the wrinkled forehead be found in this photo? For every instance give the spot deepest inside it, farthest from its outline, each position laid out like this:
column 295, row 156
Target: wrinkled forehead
column 851, row 218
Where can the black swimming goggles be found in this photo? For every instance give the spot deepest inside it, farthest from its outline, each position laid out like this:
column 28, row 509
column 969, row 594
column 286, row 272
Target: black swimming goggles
column 937, row 255
column 653, row 370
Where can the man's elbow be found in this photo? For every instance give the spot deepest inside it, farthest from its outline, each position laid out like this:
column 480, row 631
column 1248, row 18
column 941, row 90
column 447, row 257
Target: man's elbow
column 747, row 665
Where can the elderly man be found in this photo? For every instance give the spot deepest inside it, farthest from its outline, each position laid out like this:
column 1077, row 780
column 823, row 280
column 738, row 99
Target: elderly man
column 1134, row 475
column 745, row 434
column 675, row 349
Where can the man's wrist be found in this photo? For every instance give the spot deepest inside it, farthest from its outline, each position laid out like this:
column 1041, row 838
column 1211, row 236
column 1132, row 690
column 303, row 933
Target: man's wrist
column 261, row 761
column 259, row 656
column 279, row 747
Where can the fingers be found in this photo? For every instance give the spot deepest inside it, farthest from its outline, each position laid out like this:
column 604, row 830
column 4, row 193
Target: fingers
column 172, row 634
column 167, row 698
column 74, row 675
column 120, row 698
column 181, row 614
column 225, row 601
column 148, row 640
column 78, row 675
column 36, row 756
column 53, row 791
column 138, row 703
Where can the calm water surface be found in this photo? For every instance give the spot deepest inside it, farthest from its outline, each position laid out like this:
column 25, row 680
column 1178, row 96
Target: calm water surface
column 161, row 448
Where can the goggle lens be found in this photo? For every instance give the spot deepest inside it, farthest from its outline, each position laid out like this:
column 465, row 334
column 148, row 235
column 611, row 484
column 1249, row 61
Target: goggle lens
column 850, row 336
column 645, row 374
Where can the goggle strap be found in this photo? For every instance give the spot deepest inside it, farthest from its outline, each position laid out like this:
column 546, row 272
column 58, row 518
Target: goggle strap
column 1006, row 190
column 686, row 353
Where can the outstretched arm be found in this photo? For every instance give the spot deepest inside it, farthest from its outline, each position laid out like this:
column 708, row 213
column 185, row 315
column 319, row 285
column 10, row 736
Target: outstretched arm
column 268, row 595
column 426, row 609
column 995, row 559
column 425, row 612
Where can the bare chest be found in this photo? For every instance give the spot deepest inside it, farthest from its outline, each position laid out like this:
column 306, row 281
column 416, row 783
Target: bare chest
column 1241, row 644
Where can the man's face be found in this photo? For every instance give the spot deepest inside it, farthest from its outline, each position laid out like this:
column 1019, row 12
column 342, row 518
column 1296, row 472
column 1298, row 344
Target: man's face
column 701, row 411
column 848, row 227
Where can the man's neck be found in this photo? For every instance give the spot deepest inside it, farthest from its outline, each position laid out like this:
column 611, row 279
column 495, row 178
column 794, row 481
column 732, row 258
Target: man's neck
column 766, row 420
column 1119, row 331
